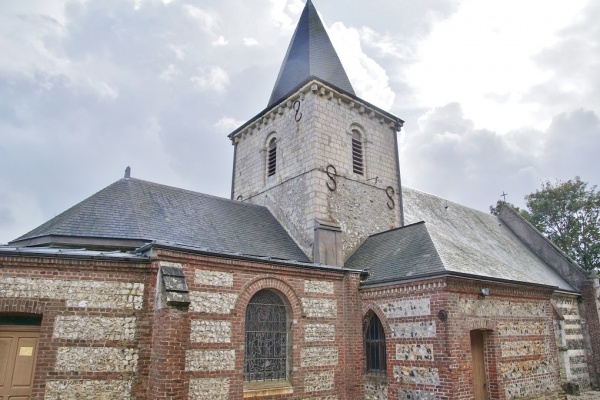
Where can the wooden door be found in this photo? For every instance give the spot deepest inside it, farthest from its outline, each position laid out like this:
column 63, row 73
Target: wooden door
column 478, row 362
column 18, row 352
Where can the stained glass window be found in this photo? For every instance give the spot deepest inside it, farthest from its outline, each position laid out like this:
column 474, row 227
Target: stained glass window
column 266, row 338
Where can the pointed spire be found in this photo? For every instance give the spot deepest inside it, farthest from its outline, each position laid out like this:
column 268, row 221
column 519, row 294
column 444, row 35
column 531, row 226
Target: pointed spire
column 310, row 53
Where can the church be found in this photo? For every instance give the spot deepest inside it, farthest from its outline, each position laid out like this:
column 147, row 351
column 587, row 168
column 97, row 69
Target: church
column 321, row 278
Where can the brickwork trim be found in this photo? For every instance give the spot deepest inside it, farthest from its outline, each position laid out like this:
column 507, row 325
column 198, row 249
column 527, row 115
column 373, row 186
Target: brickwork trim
column 25, row 306
column 271, row 283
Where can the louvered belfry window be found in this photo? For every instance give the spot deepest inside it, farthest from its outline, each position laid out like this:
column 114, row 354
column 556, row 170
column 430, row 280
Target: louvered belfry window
column 375, row 346
column 357, row 153
column 266, row 338
column 272, row 157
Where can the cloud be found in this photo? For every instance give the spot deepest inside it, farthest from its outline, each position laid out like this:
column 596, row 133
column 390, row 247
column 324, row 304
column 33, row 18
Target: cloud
column 571, row 147
column 447, row 154
column 220, row 41
column 369, row 79
column 169, row 73
column 227, row 125
column 215, row 79
column 209, row 21
column 250, row 42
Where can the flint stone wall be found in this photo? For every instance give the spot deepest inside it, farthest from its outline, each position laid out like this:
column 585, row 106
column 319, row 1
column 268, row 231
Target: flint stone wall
column 209, row 389
column 406, row 308
column 414, row 351
column 76, row 389
column 492, row 308
column 213, row 278
column 94, row 328
column 319, row 308
column 209, row 360
column 513, row 328
column 207, row 331
column 416, row 375
column 319, row 332
column 318, row 356
column 319, row 381
column 212, row 302
column 311, row 286
column 407, row 394
column 408, row 330
column 522, row 369
column 376, row 391
column 97, row 359
column 522, row 348
column 77, row 293
column 536, row 386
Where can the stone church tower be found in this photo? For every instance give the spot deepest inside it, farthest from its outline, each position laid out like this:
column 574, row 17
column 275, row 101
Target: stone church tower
column 324, row 161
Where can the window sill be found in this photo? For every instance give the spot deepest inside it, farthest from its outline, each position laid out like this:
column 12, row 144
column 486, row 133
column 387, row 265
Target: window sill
column 267, row 388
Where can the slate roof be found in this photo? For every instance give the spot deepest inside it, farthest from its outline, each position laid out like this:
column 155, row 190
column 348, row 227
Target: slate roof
column 310, row 54
column 455, row 239
column 140, row 211
column 401, row 252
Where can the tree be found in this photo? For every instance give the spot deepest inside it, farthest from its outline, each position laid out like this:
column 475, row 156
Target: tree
column 568, row 213
column 495, row 210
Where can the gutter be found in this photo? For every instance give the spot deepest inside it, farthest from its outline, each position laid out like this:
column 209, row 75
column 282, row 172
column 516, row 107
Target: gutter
column 452, row 274
column 242, row 257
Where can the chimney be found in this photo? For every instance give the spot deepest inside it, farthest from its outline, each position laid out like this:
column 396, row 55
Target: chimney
column 328, row 244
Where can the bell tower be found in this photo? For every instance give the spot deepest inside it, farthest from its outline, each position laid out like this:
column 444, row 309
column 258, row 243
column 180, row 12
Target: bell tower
column 324, row 161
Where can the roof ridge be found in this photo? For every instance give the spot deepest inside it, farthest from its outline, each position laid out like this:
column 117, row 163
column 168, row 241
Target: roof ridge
column 446, row 200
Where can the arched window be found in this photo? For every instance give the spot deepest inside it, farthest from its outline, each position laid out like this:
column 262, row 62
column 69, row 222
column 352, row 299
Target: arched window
column 357, row 153
column 272, row 157
column 266, row 338
column 375, row 346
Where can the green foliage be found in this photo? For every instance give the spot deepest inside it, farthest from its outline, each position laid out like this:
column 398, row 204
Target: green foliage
column 568, row 213
column 495, row 210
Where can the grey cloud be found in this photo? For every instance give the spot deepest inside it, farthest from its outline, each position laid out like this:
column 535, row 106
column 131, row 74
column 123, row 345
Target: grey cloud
column 573, row 63
column 448, row 155
column 572, row 147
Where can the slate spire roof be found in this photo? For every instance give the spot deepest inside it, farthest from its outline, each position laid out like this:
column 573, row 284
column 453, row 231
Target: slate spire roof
column 132, row 212
column 310, row 54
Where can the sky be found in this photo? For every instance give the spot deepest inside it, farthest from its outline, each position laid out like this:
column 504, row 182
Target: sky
column 497, row 96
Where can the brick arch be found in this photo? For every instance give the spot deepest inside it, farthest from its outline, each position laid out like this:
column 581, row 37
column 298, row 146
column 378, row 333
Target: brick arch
column 374, row 308
column 289, row 295
column 22, row 306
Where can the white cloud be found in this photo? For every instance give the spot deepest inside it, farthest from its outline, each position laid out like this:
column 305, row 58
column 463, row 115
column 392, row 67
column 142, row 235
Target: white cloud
column 220, row 41
column 227, row 124
column 369, row 79
column 178, row 50
column 215, row 79
column 248, row 41
column 487, row 49
column 209, row 21
column 169, row 73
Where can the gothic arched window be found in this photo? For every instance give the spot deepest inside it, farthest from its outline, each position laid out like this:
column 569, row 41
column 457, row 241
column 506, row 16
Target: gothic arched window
column 357, row 152
column 272, row 157
column 266, row 338
column 375, row 346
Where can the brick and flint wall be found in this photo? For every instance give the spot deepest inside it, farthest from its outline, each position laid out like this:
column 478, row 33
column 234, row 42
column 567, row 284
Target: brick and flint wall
column 430, row 358
column 309, row 140
column 94, row 335
column 105, row 335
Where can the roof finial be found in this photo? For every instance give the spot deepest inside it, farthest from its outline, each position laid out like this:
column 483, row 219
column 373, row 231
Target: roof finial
column 127, row 173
